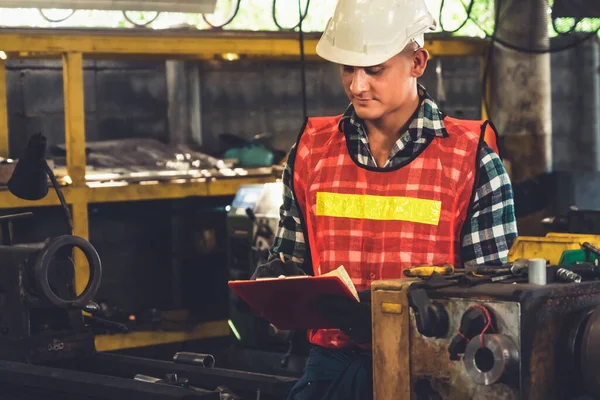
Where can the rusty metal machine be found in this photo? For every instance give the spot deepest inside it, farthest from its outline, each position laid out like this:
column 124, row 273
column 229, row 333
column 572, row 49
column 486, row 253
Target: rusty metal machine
column 509, row 340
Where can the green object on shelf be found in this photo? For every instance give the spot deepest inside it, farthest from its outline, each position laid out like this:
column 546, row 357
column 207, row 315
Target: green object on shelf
column 571, row 257
column 252, row 155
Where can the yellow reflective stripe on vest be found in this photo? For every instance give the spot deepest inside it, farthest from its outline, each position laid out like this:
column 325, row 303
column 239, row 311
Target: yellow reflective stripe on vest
column 388, row 208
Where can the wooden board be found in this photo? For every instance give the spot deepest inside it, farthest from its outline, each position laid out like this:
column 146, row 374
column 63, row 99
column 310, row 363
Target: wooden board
column 391, row 351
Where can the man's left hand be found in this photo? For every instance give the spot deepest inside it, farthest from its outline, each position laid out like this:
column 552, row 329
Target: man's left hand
column 348, row 315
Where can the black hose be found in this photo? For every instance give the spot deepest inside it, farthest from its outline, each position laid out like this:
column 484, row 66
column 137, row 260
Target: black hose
column 301, row 18
column 235, row 13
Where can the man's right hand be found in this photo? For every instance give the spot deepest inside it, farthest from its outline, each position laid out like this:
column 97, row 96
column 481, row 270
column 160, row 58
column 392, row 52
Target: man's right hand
column 276, row 267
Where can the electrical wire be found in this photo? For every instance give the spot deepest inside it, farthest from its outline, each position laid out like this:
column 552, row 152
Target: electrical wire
column 61, row 197
column 235, row 13
column 302, row 56
column 549, row 50
column 301, row 17
column 488, row 62
column 571, row 30
column 469, row 9
column 55, row 21
column 494, row 38
column 145, row 24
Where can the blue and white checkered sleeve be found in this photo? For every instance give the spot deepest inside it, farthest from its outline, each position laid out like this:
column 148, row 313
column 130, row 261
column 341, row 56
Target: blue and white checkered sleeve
column 289, row 239
column 492, row 227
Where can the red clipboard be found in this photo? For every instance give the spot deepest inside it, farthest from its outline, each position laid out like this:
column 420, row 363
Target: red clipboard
column 289, row 303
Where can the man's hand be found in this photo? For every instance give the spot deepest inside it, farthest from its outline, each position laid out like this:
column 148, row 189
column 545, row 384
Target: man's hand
column 353, row 318
column 276, row 267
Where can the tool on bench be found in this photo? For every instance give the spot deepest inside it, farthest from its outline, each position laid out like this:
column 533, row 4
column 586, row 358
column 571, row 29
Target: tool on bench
column 517, row 267
column 591, row 248
column 424, row 271
column 567, row 276
column 173, row 379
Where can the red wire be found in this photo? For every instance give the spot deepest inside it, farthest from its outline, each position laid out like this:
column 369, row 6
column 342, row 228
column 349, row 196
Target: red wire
column 488, row 324
column 463, row 336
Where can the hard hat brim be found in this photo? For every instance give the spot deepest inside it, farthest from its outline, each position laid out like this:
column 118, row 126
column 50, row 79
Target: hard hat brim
column 343, row 57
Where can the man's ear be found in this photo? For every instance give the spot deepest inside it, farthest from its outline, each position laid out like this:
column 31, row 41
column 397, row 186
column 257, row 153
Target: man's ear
column 420, row 58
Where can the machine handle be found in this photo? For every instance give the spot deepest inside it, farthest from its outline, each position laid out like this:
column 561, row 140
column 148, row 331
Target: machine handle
column 431, row 318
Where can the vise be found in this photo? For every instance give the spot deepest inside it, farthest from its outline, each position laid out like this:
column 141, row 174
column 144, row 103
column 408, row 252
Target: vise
column 492, row 341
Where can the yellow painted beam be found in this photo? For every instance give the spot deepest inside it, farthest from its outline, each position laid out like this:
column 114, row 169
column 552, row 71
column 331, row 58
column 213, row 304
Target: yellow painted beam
column 79, row 213
column 7, row 200
column 456, row 47
column 3, row 112
column 76, row 161
column 486, row 89
column 136, row 192
column 160, row 191
column 74, row 116
column 198, row 44
column 120, row 42
column 205, row 330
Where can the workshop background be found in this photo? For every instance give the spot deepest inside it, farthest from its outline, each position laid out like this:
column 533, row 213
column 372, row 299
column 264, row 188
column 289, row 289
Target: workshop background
column 169, row 238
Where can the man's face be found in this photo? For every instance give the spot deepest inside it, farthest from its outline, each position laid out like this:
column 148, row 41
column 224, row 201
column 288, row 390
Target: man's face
column 378, row 90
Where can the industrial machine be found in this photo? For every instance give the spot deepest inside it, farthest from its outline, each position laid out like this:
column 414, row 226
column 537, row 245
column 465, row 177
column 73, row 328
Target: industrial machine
column 252, row 222
column 251, row 227
column 40, row 316
column 47, row 343
column 504, row 340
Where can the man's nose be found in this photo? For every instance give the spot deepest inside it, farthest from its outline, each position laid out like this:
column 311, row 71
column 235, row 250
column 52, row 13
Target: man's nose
column 359, row 82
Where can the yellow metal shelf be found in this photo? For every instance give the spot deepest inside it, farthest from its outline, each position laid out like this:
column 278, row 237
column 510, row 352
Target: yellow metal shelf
column 116, row 43
column 137, row 192
column 119, row 341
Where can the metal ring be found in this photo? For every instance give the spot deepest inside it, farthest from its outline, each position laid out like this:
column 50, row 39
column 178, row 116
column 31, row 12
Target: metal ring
column 486, row 364
column 44, row 261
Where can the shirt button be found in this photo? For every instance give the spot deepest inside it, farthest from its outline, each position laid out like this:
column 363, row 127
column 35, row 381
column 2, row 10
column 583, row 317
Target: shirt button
column 372, row 275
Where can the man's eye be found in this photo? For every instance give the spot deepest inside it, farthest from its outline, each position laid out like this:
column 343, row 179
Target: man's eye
column 374, row 71
column 348, row 69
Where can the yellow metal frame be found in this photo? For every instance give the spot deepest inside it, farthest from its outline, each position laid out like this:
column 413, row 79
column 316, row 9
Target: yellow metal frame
column 72, row 46
column 119, row 43
column 3, row 112
column 204, row 330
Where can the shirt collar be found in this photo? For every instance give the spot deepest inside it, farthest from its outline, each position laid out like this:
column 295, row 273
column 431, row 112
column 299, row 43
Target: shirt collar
column 427, row 121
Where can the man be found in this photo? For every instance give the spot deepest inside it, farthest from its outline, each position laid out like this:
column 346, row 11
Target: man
column 390, row 184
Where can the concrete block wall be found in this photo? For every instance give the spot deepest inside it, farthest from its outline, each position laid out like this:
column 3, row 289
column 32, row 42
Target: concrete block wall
column 122, row 99
column 252, row 98
column 576, row 108
column 129, row 99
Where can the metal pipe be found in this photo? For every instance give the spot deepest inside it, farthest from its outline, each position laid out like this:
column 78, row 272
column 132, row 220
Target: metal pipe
column 198, row 359
column 537, row 271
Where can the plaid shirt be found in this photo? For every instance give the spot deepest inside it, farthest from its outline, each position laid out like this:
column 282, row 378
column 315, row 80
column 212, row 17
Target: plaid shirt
column 491, row 226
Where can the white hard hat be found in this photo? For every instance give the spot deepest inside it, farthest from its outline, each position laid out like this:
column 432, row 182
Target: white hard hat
column 364, row 33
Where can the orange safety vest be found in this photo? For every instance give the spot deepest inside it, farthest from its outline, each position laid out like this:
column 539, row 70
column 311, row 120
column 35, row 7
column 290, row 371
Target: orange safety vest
column 376, row 222
column 490, row 136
